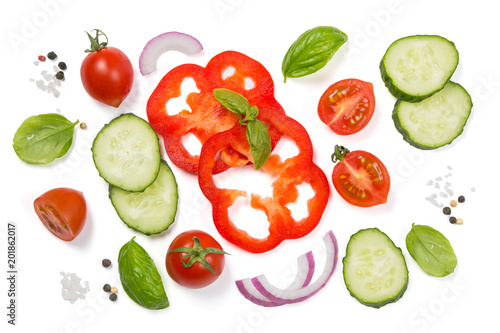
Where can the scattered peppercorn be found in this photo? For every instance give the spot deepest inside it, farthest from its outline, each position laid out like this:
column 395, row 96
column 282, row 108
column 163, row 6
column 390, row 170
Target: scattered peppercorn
column 114, row 290
column 106, row 288
column 62, row 65
column 460, row 221
column 84, row 126
column 453, row 203
column 51, row 55
column 446, row 210
column 60, row 75
column 453, row 220
column 105, row 262
column 41, row 58
column 461, row 199
column 113, row 297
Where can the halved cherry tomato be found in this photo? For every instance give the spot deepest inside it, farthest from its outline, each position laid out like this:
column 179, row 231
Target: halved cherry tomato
column 360, row 177
column 347, row 106
column 195, row 259
column 63, row 211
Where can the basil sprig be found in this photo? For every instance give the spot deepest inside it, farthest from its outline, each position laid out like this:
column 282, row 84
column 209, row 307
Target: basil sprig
column 312, row 51
column 257, row 133
column 140, row 278
column 431, row 250
column 43, row 138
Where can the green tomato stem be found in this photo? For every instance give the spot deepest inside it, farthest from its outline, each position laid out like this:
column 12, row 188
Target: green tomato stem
column 340, row 153
column 197, row 254
column 94, row 42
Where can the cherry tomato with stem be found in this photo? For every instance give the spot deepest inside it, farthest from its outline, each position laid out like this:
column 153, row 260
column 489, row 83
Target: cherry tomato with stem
column 360, row 177
column 106, row 72
column 63, row 211
column 195, row 259
column 347, row 106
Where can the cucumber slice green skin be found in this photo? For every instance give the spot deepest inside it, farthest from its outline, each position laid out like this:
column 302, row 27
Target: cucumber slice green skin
column 412, row 138
column 365, row 241
column 126, row 152
column 416, row 96
column 158, row 203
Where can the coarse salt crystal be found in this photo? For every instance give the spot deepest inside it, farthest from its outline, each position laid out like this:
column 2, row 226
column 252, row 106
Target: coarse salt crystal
column 72, row 290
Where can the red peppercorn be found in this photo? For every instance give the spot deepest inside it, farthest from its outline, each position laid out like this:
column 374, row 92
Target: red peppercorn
column 41, row 58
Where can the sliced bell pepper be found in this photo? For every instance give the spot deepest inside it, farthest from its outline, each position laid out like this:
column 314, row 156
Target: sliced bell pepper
column 207, row 116
column 288, row 175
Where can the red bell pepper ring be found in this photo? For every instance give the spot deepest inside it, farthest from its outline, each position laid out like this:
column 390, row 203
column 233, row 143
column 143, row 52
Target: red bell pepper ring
column 207, row 116
column 289, row 174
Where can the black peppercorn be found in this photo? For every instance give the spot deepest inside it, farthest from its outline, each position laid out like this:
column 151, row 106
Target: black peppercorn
column 106, row 263
column 453, row 220
column 106, row 288
column 60, row 75
column 446, row 210
column 62, row 65
column 51, row 55
column 461, row 199
column 113, row 297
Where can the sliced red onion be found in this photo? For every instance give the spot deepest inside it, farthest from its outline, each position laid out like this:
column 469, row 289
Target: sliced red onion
column 261, row 292
column 304, row 275
column 169, row 41
column 305, row 271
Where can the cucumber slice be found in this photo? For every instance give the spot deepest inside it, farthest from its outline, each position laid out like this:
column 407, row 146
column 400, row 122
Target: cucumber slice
column 126, row 153
column 151, row 211
column 375, row 271
column 436, row 121
column 416, row 67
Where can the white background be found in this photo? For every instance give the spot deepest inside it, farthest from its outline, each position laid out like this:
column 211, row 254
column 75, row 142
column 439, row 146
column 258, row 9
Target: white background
column 463, row 301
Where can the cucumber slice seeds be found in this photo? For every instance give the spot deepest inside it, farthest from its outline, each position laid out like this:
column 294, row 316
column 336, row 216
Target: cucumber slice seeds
column 151, row 211
column 126, row 153
column 375, row 270
column 436, row 121
column 416, row 67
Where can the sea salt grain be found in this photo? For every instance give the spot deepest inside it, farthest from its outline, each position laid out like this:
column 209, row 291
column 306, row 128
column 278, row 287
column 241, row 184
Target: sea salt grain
column 72, row 290
column 433, row 201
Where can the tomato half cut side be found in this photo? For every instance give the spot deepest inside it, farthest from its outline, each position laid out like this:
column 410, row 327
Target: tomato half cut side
column 347, row 106
column 360, row 177
column 63, row 211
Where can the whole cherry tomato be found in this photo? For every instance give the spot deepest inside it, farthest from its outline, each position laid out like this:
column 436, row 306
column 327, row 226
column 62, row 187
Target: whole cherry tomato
column 106, row 72
column 360, row 177
column 347, row 106
column 194, row 259
column 63, row 211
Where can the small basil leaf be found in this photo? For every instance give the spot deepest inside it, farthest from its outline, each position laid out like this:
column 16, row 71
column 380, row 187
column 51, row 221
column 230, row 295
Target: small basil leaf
column 431, row 250
column 43, row 138
column 140, row 278
column 312, row 51
column 232, row 101
column 260, row 142
column 252, row 112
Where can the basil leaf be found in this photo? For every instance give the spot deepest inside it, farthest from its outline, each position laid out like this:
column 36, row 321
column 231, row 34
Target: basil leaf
column 312, row 51
column 232, row 101
column 260, row 142
column 431, row 250
column 43, row 138
column 140, row 278
column 257, row 133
